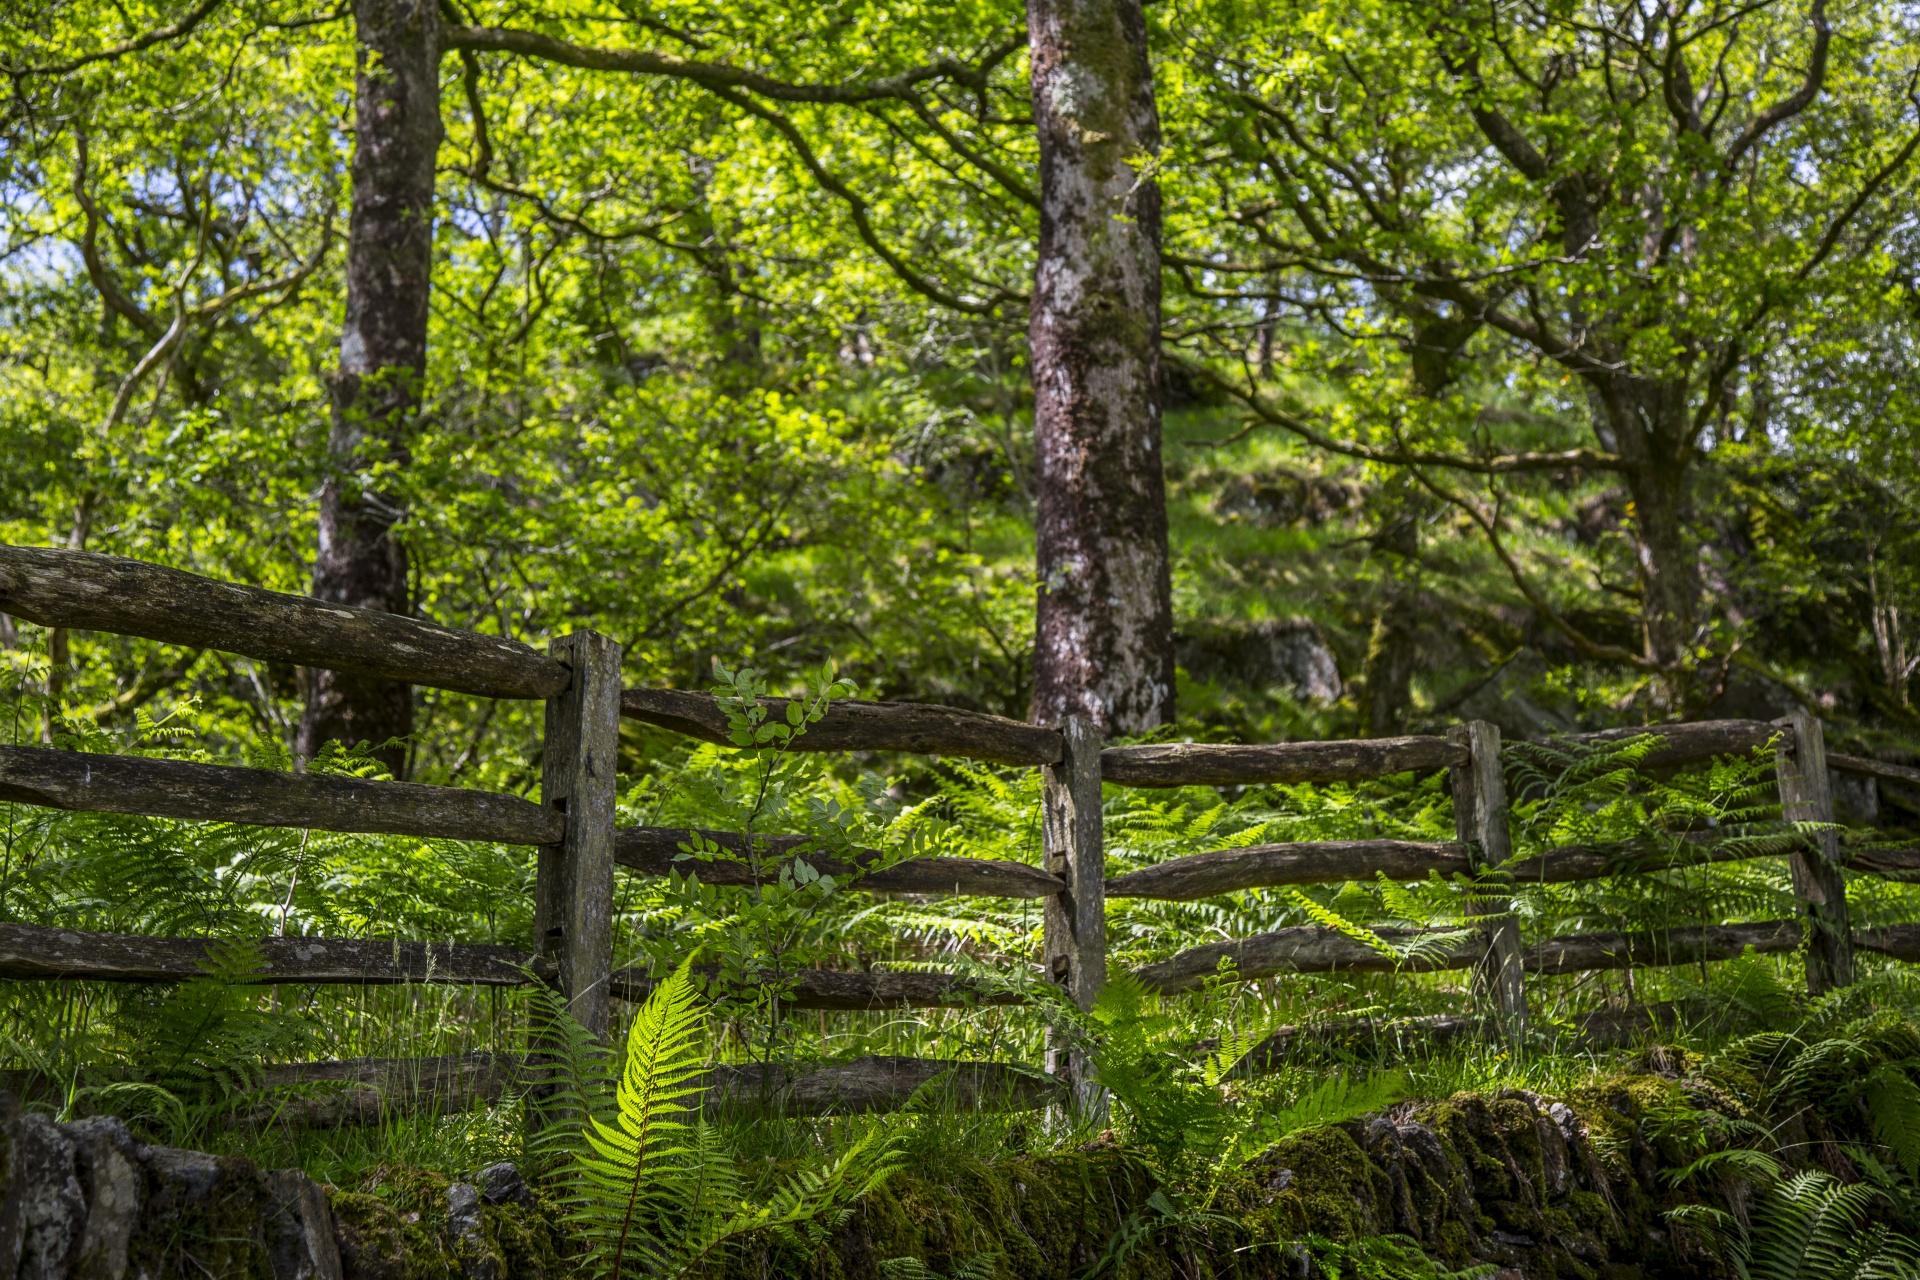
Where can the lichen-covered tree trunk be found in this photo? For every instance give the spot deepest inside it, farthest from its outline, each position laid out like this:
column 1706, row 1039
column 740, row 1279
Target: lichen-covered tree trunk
column 383, row 356
column 1105, row 613
column 1648, row 420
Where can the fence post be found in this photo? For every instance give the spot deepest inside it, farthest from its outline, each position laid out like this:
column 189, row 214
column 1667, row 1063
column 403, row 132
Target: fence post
column 573, row 888
column 1480, row 822
column 1075, row 923
column 1806, row 795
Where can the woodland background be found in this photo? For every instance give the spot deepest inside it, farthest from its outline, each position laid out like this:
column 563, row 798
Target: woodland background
column 1546, row 363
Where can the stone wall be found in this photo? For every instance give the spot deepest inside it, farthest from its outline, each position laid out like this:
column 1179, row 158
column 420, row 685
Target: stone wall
column 86, row 1201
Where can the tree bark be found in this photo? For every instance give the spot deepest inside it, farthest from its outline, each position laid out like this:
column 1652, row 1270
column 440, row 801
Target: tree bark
column 383, row 358
column 1104, row 643
column 1648, row 421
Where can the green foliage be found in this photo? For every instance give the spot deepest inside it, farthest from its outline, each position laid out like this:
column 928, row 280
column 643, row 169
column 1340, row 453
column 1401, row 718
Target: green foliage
column 1384, row 1258
column 656, row 1187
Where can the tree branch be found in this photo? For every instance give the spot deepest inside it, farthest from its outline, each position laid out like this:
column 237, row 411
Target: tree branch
column 1796, row 102
column 1493, row 464
column 857, row 207
column 1490, row 526
column 713, row 75
column 159, row 35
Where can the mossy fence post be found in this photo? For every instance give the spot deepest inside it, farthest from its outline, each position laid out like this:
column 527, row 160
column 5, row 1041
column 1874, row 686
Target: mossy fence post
column 1806, row 795
column 573, row 887
column 1480, row 822
column 1074, row 943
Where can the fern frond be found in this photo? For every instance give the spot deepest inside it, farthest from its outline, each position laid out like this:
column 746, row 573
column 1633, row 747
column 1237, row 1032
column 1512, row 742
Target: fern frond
column 1327, row 918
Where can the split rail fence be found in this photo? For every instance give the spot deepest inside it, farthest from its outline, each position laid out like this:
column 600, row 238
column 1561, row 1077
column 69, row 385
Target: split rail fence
column 579, row 845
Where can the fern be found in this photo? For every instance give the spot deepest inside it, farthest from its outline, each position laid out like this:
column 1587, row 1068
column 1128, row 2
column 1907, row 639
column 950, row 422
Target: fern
column 1811, row 1227
column 1338, row 1098
column 1893, row 1110
column 1327, row 918
column 656, row 1183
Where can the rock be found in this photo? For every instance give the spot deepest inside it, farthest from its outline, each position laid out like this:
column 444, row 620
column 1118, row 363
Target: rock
column 1290, row 652
column 502, row 1184
column 302, row 1244
column 107, row 1162
column 477, row 1257
column 13, row 1187
column 54, row 1211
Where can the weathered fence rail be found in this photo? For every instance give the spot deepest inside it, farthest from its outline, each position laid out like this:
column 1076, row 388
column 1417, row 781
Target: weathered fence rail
column 579, row 845
column 87, row 591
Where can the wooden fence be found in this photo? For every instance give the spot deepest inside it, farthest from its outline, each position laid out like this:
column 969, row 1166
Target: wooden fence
column 579, row 845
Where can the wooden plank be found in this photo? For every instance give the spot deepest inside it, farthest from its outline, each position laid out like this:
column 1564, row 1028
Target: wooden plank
column 1073, row 945
column 366, row 1091
column 829, row 989
column 1602, row 1029
column 1905, row 774
column 79, row 780
column 1297, row 949
column 876, row 1084
column 1202, row 875
column 1312, row 949
column 1898, row 941
column 1480, row 823
column 1894, row 864
column 88, row 591
column 1577, row 953
column 39, row 951
column 852, row 725
column 1187, row 764
column 573, row 881
column 657, row 850
column 1806, row 795
column 1679, row 744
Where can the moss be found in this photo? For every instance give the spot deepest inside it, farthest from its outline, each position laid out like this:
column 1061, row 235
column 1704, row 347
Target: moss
column 1317, row 1182
column 1047, row 1218
column 396, row 1228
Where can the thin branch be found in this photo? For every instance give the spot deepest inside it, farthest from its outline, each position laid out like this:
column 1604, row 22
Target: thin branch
column 159, row 35
column 713, row 75
column 858, row 207
column 1492, row 464
column 1796, row 102
column 1490, row 526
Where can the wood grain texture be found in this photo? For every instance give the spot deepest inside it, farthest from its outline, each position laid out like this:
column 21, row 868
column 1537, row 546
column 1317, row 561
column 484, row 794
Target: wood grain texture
column 1297, row 949
column 366, row 1091
column 1603, row 1029
column 1894, row 864
column 1806, row 795
column 1684, row 743
column 825, row 989
column 88, row 591
column 1898, row 941
column 877, row 1083
column 1480, row 823
column 1871, row 768
column 1312, row 949
column 657, row 850
column 851, row 725
column 1185, row 764
column 1580, row 952
column 1202, row 875
column 80, row 780
column 573, row 881
column 38, row 951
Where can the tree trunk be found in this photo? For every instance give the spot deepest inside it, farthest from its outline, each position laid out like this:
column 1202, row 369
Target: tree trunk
column 1104, row 644
column 1648, row 422
column 383, row 357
